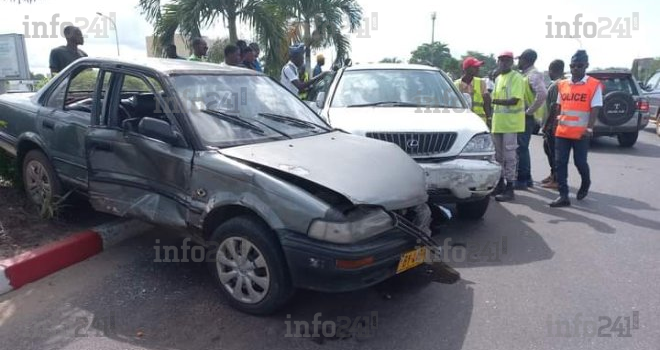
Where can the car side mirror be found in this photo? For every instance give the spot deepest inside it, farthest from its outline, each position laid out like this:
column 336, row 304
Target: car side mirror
column 158, row 129
column 468, row 99
column 320, row 99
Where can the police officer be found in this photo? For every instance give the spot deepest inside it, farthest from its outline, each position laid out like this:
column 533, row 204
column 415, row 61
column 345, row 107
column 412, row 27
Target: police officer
column 579, row 101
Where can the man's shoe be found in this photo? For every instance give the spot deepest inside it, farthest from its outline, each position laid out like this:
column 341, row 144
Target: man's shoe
column 583, row 191
column 561, row 201
column 548, row 179
column 499, row 188
column 507, row 195
column 551, row 185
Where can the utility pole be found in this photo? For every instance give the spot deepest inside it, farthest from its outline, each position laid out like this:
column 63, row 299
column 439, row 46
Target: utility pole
column 433, row 15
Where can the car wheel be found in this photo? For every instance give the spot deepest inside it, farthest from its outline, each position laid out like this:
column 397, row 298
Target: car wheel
column 42, row 185
column 473, row 210
column 627, row 139
column 249, row 266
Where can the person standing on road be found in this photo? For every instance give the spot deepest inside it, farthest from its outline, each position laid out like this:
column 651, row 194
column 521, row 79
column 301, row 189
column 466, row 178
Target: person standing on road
column 232, row 56
column 289, row 76
column 548, row 124
column 320, row 62
column 62, row 56
column 199, row 50
column 257, row 52
column 476, row 87
column 580, row 99
column 535, row 95
column 508, row 121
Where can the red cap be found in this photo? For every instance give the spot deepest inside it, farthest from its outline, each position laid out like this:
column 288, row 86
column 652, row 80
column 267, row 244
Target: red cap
column 506, row 54
column 471, row 62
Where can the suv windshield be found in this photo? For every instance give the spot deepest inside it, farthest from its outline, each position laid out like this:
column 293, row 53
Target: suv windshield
column 395, row 87
column 231, row 110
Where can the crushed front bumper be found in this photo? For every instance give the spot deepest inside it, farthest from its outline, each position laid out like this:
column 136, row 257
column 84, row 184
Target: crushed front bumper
column 313, row 263
column 461, row 179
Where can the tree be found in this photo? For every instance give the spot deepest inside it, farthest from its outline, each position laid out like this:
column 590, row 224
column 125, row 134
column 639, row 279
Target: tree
column 189, row 16
column 437, row 55
column 319, row 24
column 390, row 60
column 216, row 53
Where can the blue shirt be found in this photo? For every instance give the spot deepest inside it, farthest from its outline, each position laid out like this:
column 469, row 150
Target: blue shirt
column 317, row 70
column 257, row 66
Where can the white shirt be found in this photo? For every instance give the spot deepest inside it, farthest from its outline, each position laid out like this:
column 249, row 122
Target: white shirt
column 289, row 74
column 596, row 101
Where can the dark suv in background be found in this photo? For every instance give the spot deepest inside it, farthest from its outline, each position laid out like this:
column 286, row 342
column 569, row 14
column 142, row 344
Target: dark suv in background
column 625, row 107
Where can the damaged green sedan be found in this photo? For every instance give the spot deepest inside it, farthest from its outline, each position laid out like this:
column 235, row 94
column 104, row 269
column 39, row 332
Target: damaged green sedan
column 282, row 200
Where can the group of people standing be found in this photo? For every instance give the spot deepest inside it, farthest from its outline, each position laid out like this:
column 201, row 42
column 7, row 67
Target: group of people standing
column 567, row 109
column 237, row 55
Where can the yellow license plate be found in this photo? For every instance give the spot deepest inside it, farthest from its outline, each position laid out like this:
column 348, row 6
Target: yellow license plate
column 411, row 259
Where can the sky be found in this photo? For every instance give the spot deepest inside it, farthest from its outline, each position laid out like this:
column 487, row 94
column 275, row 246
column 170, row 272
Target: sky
column 391, row 29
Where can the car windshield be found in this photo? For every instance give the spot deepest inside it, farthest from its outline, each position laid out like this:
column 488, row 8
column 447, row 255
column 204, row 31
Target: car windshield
column 231, row 110
column 395, row 87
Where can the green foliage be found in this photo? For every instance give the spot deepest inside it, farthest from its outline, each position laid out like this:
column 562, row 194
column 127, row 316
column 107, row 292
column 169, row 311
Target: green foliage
column 437, row 55
column 216, row 53
column 8, row 169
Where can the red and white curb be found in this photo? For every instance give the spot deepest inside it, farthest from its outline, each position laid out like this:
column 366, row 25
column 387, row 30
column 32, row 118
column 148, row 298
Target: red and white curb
column 33, row 265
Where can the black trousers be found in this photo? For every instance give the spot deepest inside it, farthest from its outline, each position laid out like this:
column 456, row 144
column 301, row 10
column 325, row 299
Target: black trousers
column 549, row 148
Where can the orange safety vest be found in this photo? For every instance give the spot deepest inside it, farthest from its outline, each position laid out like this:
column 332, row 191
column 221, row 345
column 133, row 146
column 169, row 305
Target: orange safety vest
column 575, row 103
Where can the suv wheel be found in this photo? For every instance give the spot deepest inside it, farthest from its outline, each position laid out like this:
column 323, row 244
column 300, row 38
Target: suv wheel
column 473, row 210
column 627, row 139
column 249, row 266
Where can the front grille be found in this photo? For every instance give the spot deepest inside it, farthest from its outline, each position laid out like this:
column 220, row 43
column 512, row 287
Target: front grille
column 418, row 143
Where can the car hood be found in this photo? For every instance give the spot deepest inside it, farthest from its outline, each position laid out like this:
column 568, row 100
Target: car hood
column 359, row 120
column 365, row 171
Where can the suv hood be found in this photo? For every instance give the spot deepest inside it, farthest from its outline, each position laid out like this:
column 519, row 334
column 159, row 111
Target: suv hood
column 363, row 170
column 359, row 120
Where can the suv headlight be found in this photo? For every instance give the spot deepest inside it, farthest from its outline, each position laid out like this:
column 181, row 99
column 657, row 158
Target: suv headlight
column 360, row 224
column 480, row 147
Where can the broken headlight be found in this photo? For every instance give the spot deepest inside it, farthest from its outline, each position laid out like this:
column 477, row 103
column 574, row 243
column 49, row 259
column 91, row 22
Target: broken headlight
column 360, row 224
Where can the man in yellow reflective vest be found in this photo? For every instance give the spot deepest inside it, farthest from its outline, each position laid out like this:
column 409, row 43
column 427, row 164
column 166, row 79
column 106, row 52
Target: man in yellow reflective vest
column 304, row 77
column 535, row 94
column 579, row 101
column 476, row 87
column 508, row 121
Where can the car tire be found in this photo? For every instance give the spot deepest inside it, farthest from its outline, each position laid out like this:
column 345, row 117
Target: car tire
column 40, row 181
column 264, row 271
column 627, row 139
column 474, row 210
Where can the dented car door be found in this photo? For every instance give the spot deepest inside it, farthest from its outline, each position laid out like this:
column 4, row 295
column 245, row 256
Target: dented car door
column 134, row 173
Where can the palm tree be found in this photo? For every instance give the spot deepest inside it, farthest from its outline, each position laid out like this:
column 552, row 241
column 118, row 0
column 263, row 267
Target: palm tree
column 319, row 23
column 189, row 16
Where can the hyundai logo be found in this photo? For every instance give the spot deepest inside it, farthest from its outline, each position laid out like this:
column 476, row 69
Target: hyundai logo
column 412, row 143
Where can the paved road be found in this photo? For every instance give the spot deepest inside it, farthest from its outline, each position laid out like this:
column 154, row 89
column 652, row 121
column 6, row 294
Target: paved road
column 573, row 268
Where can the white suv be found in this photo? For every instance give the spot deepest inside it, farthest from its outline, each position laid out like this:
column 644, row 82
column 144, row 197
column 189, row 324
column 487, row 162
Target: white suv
column 418, row 108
